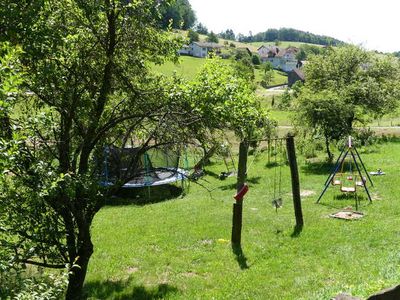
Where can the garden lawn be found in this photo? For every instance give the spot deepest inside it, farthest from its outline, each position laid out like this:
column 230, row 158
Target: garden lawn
column 187, row 67
column 180, row 248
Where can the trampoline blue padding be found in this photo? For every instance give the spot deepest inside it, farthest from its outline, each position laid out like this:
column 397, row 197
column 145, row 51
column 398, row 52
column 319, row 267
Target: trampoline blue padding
column 158, row 177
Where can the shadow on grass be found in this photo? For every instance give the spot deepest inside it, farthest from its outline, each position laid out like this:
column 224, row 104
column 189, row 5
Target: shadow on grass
column 296, row 231
column 119, row 290
column 144, row 195
column 212, row 174
column 341, row 201
column 240, row 257
column 250, row 181
column 318, row 168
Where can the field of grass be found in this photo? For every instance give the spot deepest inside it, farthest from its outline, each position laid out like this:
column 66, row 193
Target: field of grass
column 180, row 248
column 187, row 67
column 279, row 77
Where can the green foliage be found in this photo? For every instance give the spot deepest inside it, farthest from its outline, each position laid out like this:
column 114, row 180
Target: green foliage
column 87, row 75
column 245, row 68
column 301, row 55
column 226, row 99
column 193, row 36
column 227, row 35
column 267, row 78
column 291, row 35
column 346, row 85
column 177, row 14
column 10, row 79
column 212, row 38
column 255, row 59
column 45, row 287
column 202, row 29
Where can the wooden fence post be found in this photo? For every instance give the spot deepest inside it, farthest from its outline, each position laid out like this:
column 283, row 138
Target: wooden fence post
column 238, row 206
column 291, row 150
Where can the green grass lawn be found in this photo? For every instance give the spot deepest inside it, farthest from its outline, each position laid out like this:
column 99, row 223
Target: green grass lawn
column 187, row 67
column 279, row 77
column 180, row 249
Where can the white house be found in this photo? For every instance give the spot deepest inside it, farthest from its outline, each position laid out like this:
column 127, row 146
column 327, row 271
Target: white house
column 200, row 49
column 267, row 52
column 283, row 59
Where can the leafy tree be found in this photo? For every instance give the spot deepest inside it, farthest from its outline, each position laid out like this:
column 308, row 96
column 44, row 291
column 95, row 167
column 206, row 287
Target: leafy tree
column 396, row 54
column 255, row 59
column 267, row 78
column 10, row 78
column 245, row 68
column 343, row 86
column 227, row 100
column 268, row 66
column 86, row 85
column 202, row 29
column 193, row 36
column 301, row 55
column 290, row 34
column 227, row 35
column 212, row 38
column 178, row 14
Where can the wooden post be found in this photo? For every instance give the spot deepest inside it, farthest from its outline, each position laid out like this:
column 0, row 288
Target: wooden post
column 295, row 181
column 238, row 206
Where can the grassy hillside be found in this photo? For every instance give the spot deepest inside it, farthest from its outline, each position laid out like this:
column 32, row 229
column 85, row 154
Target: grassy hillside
column 188, row 67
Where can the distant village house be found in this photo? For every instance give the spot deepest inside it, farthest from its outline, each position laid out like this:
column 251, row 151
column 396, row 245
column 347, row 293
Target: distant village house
column 282, row 59
column 200, row 49
column 294, row 76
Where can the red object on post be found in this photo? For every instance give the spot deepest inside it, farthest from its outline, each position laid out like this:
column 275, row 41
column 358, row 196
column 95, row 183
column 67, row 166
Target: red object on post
column 242, row 192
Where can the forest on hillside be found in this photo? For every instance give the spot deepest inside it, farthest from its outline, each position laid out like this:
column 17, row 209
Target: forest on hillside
column 290, row 35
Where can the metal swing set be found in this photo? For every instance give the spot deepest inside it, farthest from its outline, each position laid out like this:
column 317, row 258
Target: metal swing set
column 349, row 182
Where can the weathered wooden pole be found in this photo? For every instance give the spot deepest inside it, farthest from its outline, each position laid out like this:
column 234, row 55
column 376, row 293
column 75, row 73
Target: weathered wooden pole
column 291, row 150
column 241, row 190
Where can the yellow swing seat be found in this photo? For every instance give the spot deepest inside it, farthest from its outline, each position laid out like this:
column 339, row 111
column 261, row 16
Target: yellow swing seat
column 349, row 188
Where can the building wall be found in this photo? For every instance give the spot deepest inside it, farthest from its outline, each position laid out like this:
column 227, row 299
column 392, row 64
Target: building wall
column 263, row 51
column 282, row 63
column 198, row 51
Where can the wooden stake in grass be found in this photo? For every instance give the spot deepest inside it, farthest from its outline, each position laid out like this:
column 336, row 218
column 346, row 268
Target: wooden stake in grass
column 241, row 190
column 295, row 181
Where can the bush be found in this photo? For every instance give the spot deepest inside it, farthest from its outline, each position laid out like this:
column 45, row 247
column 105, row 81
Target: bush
column 255, row 59
column 365, row 137
column 15, row 283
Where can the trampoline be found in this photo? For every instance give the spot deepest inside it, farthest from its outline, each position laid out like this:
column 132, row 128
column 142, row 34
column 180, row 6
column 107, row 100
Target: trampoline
column 152, row 168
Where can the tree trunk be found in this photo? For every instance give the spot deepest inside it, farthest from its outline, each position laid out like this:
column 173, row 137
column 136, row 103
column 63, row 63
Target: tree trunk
column 205, row 158
column 328, row 151
column 79, row 268
column 5, row 127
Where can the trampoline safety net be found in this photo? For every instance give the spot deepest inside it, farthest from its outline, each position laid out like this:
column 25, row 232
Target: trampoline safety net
column 154, row 167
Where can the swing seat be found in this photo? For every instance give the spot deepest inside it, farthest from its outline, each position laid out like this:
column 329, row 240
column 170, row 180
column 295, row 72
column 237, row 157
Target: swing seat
column 277, row 203
column 337, row 179
column 349, row 188
column 361, row 182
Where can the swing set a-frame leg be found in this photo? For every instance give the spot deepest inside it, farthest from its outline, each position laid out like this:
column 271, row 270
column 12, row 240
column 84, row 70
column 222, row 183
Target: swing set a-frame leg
column 334, row 166
column 332, row 175
column 359, row 173
column 365, row 169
